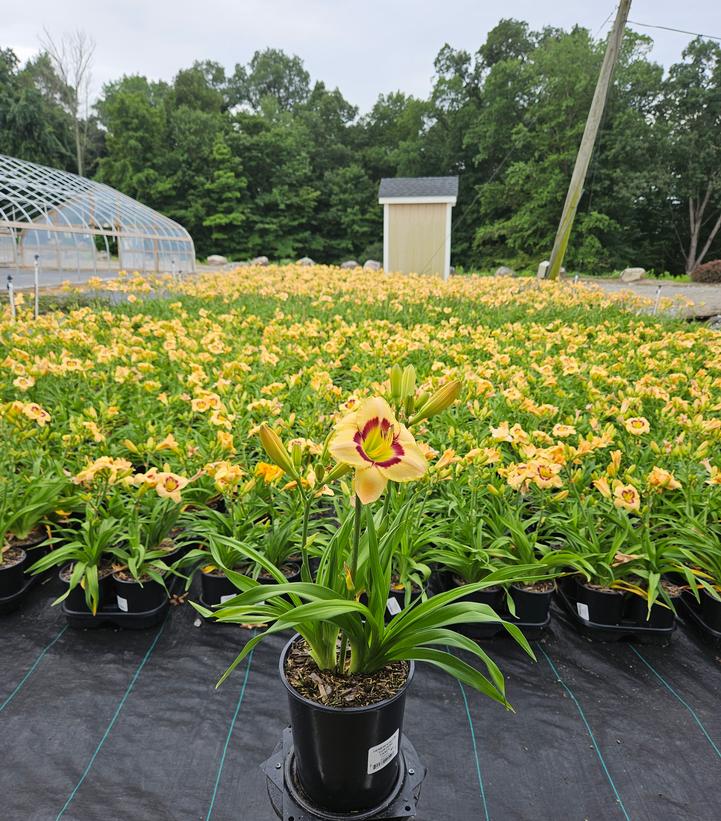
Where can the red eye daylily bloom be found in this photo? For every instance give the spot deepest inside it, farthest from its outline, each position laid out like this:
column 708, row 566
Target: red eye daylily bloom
column 378, row 447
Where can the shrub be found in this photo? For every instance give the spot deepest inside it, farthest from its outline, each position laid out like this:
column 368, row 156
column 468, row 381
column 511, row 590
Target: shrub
column 708, row 272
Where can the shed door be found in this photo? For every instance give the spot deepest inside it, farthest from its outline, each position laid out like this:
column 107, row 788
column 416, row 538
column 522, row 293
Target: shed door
column 417, row 238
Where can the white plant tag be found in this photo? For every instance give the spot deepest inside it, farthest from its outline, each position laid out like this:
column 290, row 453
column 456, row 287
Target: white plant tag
column 224, row 599
column 122, row 604
column 392, row 606
column 582, row 610
column 382, row 754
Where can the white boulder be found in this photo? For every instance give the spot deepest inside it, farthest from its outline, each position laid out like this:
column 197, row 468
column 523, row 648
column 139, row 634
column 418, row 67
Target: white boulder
column 632, row 274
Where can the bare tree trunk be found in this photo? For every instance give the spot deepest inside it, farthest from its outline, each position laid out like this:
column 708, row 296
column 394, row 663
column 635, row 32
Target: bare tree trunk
column 72, row 59
column 696, row 211
column 694, row 227
column 79, row 152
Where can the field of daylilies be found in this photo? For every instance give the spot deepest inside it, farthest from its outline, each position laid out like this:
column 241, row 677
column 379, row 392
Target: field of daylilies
column 583, row 441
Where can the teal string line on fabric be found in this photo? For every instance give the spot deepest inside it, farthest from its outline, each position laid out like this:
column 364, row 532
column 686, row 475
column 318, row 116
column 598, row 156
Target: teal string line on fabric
column 588, row 728
column 110, row 726
column 31, row 670
column 230, row 733
column 475, row 752
column 673, row 692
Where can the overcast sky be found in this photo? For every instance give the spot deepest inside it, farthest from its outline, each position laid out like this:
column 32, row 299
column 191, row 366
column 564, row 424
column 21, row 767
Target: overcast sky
column 364, row 47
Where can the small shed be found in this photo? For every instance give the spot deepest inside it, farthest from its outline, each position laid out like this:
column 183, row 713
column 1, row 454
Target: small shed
column 417, row 223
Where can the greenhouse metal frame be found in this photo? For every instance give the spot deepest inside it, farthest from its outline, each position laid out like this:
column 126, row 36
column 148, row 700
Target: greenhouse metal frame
column 68, row 223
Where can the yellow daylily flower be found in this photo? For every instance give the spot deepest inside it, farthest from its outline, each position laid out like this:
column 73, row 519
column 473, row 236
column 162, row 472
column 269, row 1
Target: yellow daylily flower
column 168, row 485
column 378, row 447
column 637, row 425
column 626, row 497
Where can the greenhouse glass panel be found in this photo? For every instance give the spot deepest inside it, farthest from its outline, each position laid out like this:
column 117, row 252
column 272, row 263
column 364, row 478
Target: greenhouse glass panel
column 77, row 225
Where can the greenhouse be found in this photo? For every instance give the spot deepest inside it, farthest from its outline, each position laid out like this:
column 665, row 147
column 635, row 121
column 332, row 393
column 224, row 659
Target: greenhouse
column 71, row 224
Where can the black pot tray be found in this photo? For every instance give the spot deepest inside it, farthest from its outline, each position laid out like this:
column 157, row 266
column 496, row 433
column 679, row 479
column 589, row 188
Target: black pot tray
column 13, row 601
column 113, row 616
column 477, row 632
column 626, row 630
column 692, row 612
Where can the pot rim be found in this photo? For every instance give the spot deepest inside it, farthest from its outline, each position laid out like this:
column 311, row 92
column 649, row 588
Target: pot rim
column 325, row 708
column 134, row 581
column 609, row 591
column 4, row 566
column 518, row 586
column 64, row 567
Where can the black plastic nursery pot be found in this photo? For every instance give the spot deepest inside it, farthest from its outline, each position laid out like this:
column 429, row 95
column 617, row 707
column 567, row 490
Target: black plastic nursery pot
column 632, row 624
column 492, row 596
column 75, row 601
column 711, row 611
column 216, row 588
column 532, row 606
column 173, row 551
column 661, row 617
column 397, row 599
column 12, row 572
column 596, row 604
column 133, row 597
column 705, row 615
column 346, row 760
column 291, row 571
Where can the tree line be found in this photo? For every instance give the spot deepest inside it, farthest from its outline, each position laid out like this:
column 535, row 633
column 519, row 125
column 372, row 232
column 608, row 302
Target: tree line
column 262, row 160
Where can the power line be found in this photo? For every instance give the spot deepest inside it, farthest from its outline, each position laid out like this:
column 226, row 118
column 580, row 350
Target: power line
column 678, row 31
column 602, row 26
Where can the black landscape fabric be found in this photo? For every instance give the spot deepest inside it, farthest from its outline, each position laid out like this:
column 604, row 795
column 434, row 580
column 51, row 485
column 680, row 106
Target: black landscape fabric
column 108, row 724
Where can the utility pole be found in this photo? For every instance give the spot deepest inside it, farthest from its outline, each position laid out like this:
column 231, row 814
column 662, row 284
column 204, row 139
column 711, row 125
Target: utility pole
column 583, row 158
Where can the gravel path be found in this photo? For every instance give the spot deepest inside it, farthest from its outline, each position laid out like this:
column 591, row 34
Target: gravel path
column 706, row 299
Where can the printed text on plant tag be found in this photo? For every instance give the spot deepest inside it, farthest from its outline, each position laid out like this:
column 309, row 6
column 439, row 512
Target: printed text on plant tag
column 382, row 754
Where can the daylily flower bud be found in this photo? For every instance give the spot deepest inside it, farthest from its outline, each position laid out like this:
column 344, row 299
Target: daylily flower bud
column 408, row 382
column 297, row 454
column 276, row 450
column 443, row 398
column 422, row 398
column 338, row 470
column 396, row 378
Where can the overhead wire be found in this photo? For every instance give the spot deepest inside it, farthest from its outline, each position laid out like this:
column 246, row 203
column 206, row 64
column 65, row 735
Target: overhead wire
column 678, row 31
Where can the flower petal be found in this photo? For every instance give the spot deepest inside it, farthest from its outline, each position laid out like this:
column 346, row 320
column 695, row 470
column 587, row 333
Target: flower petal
column 412, row 465
column 343, row 447
column 374, row 408
column 368, row 484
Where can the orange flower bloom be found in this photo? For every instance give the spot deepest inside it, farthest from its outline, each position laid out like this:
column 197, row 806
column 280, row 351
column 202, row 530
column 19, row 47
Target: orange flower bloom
column 662, row 479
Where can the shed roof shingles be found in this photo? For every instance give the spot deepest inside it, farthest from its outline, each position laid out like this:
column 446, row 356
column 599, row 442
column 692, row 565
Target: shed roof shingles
column 418, row 187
